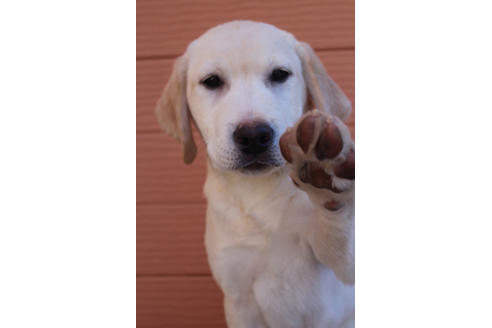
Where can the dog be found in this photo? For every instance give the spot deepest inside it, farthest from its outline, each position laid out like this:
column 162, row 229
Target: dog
column 280, row 174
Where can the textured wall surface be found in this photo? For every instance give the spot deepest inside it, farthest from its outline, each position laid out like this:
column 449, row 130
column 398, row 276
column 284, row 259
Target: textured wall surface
column 174, row 286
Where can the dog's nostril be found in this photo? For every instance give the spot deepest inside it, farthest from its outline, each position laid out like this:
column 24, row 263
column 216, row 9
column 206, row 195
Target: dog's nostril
column 253, row 138
column 243, row 141
column 264, row 138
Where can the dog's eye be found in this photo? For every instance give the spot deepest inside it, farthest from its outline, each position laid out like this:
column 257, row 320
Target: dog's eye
column 279, row 75
column 212, row 82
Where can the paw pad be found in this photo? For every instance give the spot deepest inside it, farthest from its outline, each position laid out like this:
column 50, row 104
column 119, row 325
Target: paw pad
column 305, row 131
column 330, row 142
column 346, row 170
column 333, row 205
column 319, row 149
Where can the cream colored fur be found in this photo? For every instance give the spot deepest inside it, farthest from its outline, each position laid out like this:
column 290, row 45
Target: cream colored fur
column 279, row 257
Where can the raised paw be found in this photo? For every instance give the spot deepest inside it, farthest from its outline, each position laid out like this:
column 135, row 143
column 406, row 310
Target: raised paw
column 321, row 154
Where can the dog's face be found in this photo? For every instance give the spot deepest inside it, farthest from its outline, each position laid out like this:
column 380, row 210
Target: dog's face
column 244, row 88
column 244, row 83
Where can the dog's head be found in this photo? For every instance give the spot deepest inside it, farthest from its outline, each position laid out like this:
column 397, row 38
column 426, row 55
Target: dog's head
column 243, row 83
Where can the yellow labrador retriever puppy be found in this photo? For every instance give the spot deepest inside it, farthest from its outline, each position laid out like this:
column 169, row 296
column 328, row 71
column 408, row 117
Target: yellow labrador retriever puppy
column 280, row 174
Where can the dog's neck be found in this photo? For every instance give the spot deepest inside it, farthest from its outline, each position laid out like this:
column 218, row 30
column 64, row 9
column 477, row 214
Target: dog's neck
column 249, row 192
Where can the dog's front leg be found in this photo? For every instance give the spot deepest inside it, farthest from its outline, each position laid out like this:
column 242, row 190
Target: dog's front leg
column 243, row 313
column 322, row 157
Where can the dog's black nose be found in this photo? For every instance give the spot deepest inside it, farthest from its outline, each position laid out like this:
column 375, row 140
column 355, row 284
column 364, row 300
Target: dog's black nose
column 253, row 138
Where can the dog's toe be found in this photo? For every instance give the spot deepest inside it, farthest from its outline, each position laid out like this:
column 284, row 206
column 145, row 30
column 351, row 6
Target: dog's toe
column 319, row 148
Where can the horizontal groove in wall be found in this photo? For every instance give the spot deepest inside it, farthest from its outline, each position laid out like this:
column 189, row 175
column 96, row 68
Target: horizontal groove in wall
column 175, row 203
column 173, row 56
column 179, row 302
column 172, row 275
column 170, row 241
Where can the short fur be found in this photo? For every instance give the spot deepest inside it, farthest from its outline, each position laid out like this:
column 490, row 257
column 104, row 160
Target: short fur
column 279, row 257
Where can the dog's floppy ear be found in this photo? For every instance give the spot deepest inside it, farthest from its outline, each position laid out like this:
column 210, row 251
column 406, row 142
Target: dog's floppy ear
column 323, row 92
column 172, row 110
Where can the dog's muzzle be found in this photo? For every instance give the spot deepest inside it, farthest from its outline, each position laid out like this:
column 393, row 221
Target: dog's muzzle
column 254, row 141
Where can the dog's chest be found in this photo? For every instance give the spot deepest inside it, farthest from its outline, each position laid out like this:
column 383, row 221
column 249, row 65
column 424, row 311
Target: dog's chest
column 251, row 234
column 278, row 271
column 271, row 262
column 258, row 252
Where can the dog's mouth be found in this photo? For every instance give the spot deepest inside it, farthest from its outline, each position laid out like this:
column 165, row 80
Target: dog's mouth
column 255, row 166
column 257, row 163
